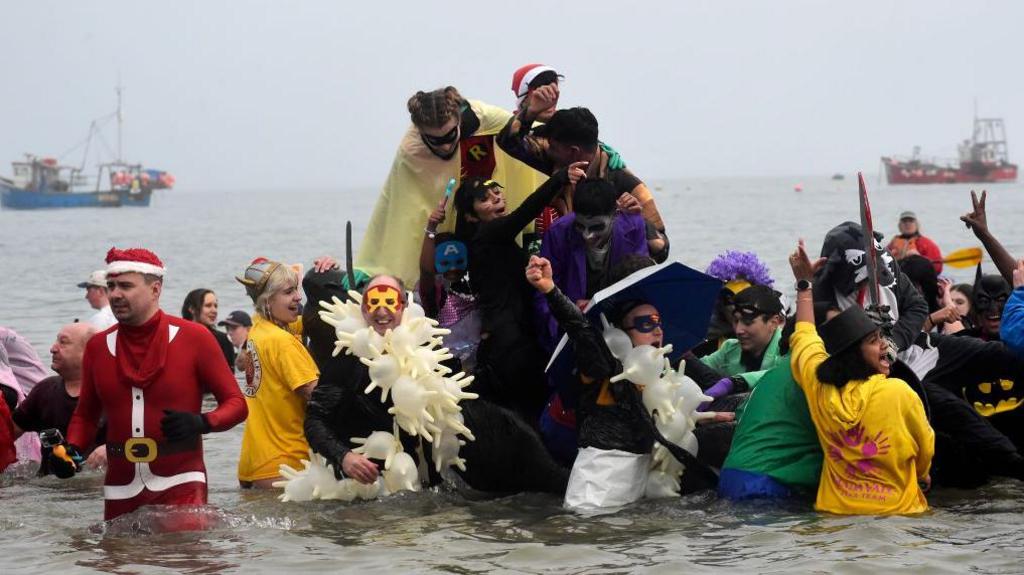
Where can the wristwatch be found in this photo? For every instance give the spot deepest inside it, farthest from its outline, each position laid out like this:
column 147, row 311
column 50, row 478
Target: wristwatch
column 430, row 234
column 803, row 285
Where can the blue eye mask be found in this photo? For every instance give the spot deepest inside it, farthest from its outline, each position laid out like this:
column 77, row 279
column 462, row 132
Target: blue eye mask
column 450, row 255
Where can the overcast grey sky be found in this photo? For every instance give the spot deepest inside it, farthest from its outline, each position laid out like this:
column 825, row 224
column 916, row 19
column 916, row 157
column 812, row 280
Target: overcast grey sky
column 238, row 95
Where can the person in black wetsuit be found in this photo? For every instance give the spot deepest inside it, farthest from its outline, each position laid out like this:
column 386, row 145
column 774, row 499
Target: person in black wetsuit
column 507, row 456
column 510, row 362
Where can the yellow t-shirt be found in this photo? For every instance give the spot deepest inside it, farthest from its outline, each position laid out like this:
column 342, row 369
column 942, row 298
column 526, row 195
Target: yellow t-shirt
column 273, row 432
column 876, row 438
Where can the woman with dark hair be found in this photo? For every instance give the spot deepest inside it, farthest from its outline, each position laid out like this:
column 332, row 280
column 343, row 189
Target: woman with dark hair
column 877, row 441
column 510, row 362
column 201, row 307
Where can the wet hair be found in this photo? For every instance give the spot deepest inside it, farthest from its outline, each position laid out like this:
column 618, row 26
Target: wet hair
column 573, row 127
column 922, row 273
column 434, row 109
column 595, row 198
column 618, row 311
column 194, row 303
column 627, row 266
column 845, row 366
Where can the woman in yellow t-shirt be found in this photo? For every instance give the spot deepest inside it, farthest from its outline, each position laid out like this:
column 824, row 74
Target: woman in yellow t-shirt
column 877, row 441
column 279, row 377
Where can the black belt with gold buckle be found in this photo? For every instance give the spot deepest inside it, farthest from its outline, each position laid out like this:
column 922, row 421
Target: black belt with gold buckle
column 146, row 449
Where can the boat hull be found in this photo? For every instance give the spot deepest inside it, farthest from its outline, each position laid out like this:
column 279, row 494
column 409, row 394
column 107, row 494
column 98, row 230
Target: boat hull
column 14, row 198
column 897, row 172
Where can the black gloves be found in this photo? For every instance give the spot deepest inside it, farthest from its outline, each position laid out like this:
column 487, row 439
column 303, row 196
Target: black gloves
column 181, row 425
column 65, row 461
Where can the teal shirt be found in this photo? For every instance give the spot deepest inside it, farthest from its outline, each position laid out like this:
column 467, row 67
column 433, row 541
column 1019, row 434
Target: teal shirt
column 727, row 359
column 774, row 432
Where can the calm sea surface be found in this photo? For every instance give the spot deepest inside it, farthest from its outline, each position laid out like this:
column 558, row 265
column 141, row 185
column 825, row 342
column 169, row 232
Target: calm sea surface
column 207, row 238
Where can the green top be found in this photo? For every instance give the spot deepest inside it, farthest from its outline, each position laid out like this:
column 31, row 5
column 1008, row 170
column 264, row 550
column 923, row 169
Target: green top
column 727, row 359
column 774, row 432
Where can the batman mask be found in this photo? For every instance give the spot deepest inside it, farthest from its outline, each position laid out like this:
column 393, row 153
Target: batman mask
column 990, row 294
column 846, row 264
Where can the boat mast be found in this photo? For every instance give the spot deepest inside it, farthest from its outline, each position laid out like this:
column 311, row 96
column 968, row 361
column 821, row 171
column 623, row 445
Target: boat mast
column 118, row 89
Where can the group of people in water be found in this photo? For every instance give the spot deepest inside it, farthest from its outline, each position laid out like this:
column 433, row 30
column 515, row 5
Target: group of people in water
column 502, row 227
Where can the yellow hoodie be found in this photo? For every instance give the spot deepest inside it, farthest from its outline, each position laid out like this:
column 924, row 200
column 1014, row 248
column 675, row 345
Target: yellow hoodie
column 876, row 438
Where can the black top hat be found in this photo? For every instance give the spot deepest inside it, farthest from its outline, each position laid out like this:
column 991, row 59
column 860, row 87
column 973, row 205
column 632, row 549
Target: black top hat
column 846, row 330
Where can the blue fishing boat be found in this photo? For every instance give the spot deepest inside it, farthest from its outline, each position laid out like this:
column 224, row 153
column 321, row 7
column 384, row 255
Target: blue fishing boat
column 40, row 183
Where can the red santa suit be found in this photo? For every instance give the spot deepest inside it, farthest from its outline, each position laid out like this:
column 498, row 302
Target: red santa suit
column 133, row 374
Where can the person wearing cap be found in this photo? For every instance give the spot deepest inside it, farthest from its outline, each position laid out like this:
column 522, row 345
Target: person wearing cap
column 872, row 428
column 96, row 294
column 910, row 242
column 510, row 361
column 280, row 375
column 757, row 320
column 148, row 375
column 450, row 137
column 237, row 325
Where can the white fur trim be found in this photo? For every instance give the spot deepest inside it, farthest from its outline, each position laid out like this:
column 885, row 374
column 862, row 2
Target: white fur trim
column 524, row 84
column 125, row 266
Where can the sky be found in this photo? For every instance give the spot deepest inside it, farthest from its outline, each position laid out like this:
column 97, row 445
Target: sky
column 237, row 95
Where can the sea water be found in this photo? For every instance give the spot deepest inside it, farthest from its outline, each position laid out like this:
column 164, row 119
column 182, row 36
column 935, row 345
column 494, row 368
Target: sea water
column 207, row 238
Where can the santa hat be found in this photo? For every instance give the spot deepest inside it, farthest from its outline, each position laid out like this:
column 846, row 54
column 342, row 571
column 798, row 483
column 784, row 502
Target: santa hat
column 522, row 77
column 138, row 260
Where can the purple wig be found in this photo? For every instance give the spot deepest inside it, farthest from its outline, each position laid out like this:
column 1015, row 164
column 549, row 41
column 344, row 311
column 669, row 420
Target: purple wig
column 732, row 265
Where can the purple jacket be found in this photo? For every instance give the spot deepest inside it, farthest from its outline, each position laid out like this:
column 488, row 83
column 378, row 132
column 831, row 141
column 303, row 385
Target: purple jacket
column 565, row 249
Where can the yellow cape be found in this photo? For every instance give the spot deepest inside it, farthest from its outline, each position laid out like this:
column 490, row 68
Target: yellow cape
column 415, row 185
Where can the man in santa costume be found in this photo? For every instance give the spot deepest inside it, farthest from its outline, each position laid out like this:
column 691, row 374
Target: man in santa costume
column 148, row 374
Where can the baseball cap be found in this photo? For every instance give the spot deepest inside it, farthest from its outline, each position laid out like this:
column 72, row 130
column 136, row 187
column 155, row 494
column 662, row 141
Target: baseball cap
column 237, row 318
column 908, row 215
column 97, row 278
column 757, row 300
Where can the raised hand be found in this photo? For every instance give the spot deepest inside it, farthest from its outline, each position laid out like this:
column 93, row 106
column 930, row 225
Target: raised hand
column 538, row 273
column 542, row 99
column 800, row 262
column 976, row 220
column 436, row 217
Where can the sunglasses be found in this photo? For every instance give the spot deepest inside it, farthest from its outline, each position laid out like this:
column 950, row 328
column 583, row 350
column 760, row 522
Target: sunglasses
column 447, row 138
column 645, row 323
column 481, row 191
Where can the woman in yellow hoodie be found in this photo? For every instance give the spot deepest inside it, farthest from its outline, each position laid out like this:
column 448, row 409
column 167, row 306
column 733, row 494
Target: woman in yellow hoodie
column 877, row 441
